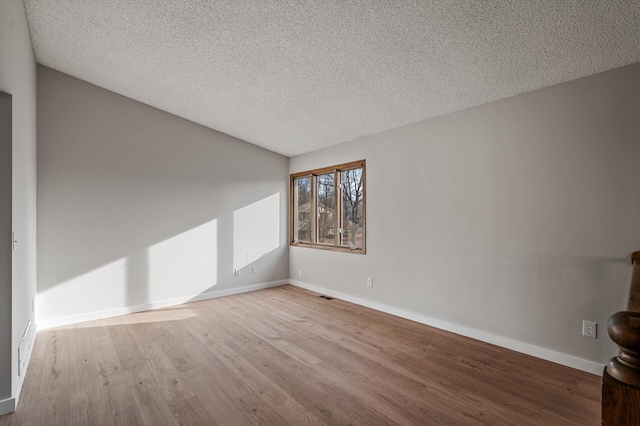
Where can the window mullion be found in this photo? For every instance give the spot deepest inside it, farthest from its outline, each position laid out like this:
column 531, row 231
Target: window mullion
column 313, row 211
column 294, row 209
column 337, row 179
column 330, row 208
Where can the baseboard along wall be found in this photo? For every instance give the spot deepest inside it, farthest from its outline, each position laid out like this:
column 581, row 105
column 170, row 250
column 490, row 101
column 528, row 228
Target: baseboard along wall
column 58, row 322
column 525, row 348
column 504, row 342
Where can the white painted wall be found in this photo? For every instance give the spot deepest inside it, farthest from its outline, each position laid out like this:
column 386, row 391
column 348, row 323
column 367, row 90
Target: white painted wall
column 510, row 222
column 18, row 78
column 138, row 208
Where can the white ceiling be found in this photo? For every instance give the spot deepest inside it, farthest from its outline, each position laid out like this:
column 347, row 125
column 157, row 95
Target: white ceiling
column 296, row 76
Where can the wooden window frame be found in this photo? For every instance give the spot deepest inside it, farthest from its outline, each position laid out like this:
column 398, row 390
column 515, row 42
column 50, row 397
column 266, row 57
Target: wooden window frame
column 313, row 214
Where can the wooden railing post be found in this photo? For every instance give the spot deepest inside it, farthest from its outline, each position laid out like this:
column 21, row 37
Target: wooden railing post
column 621, row 378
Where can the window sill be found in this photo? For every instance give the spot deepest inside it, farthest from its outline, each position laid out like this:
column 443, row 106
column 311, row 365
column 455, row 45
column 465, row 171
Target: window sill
column 328, row 247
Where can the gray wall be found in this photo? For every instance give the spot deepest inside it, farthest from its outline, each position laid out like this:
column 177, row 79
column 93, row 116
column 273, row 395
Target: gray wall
column 18, row 78
column 137, row 207
column 510, row 222
column 5, row 249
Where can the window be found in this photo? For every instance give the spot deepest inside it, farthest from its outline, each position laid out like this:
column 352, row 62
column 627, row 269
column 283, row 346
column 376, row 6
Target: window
column 328, row 208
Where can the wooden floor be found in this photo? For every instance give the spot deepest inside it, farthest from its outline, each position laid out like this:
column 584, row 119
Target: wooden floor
column 285, row 356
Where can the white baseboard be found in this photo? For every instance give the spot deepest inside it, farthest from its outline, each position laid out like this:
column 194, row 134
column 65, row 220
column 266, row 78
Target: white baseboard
column 57, row 322
column 7, row 406
column 525, row 348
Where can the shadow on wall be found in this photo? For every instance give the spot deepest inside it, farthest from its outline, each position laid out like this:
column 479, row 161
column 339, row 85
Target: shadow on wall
column 137, row 206
column 184, row 265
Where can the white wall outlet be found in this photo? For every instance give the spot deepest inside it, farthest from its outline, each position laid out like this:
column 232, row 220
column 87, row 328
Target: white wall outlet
column 236, row 272
column 33, row 304
column 254, row 269
column 590, row 329
column 369, row 282
column 300, row 273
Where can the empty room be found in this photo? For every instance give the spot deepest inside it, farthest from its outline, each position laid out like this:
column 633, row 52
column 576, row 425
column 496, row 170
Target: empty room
column 319, row 212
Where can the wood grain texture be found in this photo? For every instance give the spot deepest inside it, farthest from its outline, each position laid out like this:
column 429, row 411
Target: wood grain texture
column 623, row 402
column 633, row 302
column 621, row 378
column 285, row 356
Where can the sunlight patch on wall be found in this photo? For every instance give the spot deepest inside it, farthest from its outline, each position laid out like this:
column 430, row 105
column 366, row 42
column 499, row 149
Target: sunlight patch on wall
column 186, row 264
column 107, row 286
column 256, row 230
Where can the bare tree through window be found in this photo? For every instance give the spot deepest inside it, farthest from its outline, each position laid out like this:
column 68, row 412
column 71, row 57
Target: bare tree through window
column 352, row 192
column 328, row 208
column 302, row 196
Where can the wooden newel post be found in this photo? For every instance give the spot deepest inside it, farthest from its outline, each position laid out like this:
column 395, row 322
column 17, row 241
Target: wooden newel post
column 621, row 378
column 634, row 290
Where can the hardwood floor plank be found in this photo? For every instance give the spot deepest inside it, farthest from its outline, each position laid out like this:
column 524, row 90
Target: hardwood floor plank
column 261, row 412
column 87, row 408
column 492, row 411
column 548, row 418
column 392, row 401
column 502, row 386
column 133, row 363
column 153, row 408
column 306, row 390
column 206, row 332
column 106, row 358
column 176, row 348
column 215, row 399
column 80, row 345
column 166, row 375
column 119, row 405
column 456, row 378
column 285, row 356
column 40, row 345
column 245, row 371
column 364, row 405
column 412, row 407
column 191, row 411
column 7, row 419
column 55, row 374
column 294, row 413
column 55, row 383
column 246, row 342
column 49, row 412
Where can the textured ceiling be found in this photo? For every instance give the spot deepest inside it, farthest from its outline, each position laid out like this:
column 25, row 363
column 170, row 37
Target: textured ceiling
column 296, row 76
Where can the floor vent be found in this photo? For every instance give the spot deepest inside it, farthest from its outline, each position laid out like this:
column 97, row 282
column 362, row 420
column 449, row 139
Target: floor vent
column 326, row 297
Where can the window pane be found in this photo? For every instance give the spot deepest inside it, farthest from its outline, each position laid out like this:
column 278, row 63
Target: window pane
column 326, row 208
column 302, row 224
column 352, row 195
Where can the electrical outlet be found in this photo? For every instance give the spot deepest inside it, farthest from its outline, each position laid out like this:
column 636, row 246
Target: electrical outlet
column 236, row 272
column 300, row 273
column 254, row 269
column 369, row 282
column 590, row 329
column 33, row 304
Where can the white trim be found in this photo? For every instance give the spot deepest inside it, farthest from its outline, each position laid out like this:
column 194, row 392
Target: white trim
column 7, row 406
column 57, row 322
column 18, row 389
column 505, row 342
